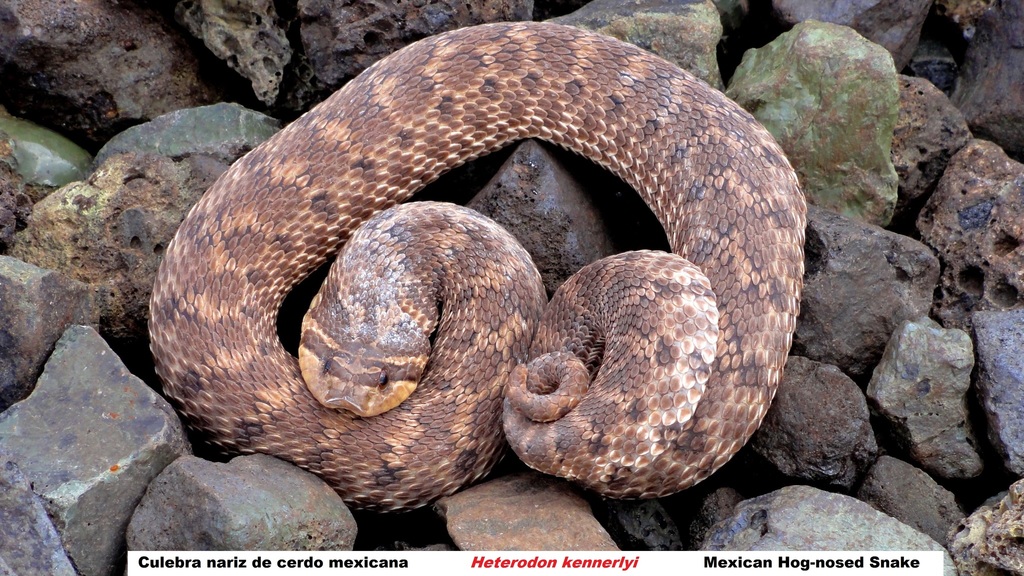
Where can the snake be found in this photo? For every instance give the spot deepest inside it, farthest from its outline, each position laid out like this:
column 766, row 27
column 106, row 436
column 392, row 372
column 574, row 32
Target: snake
column 717, row 181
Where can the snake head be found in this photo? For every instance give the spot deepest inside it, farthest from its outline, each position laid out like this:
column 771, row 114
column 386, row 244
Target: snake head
column 356, row 377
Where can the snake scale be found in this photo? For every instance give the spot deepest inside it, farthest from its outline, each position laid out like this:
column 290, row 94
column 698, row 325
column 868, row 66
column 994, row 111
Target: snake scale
column 716, row 180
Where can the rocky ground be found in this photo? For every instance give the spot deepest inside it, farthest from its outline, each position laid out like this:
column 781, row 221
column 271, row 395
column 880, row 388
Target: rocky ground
column 900, row 420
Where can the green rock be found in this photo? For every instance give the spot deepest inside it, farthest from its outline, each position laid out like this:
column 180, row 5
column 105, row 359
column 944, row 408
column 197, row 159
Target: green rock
column 111, row 230
column 42, row 155
column 684, row 33
column 831, row 99
column 224, row 131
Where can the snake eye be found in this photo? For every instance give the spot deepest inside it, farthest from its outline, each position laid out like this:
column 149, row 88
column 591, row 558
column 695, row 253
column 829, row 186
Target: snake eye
column 382, row 380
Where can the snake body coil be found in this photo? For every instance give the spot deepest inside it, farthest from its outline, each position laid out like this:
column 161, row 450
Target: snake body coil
column 721, row 187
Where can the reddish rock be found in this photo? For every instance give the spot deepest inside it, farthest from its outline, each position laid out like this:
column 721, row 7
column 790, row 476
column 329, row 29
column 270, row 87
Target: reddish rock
column 929, row 131
column 526, row 511
column 973, row 221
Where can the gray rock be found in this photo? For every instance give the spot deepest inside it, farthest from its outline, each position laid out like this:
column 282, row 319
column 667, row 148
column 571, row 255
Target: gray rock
column 894, row 25
column 94, row 67
column 89, row 439
column 44, row 156
column 29, row 544
column 685, row 33
column 860, row 282
column 932, row 61
column 251, row 503
column 988, row 542
column 525, row 511
column 342, row 39
column 929, row 131
column 830, row 97
column 551, row 214
column 920, row 388
column 247, row 34
column 111, row 230
column 973, row 222
column 818, row 427
column 989, row 93
column 36, row 306
column 640, row 525
column 222, row 131
column 999, row 337
column 910, row 496
column 713, row 508
column 805, row 518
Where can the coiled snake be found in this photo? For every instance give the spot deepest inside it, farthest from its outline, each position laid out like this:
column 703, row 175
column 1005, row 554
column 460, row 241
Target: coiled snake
column 727, row 197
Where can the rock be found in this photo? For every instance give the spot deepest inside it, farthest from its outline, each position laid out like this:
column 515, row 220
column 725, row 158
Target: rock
column 640, row 524
column 248, row 35
column 94, row 67
column 988, row 542
column 817, row 429
column 11, row 178
column 932, row 61
column 999, row 337
column 963, row 13
column 830, row 97
column 342, row 39
column 910, row 496
column 989, row 93
column 805, row 518
column 552, row 214
column 860, row 282
column 29, row 544
column 685, row 33
column 894, row 25
column 920, row 389
column 15, row 209
column 43, row 156
column 36, row 306
column 929, row 131
column 111, row 231
column 713, row 508
column 221, row 131
column 973, row 222
column 250, row 503
column 732, row 13
column 89, row 440
column 524, row 511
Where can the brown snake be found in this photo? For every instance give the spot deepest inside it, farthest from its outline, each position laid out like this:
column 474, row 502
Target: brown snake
column 727, row 197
